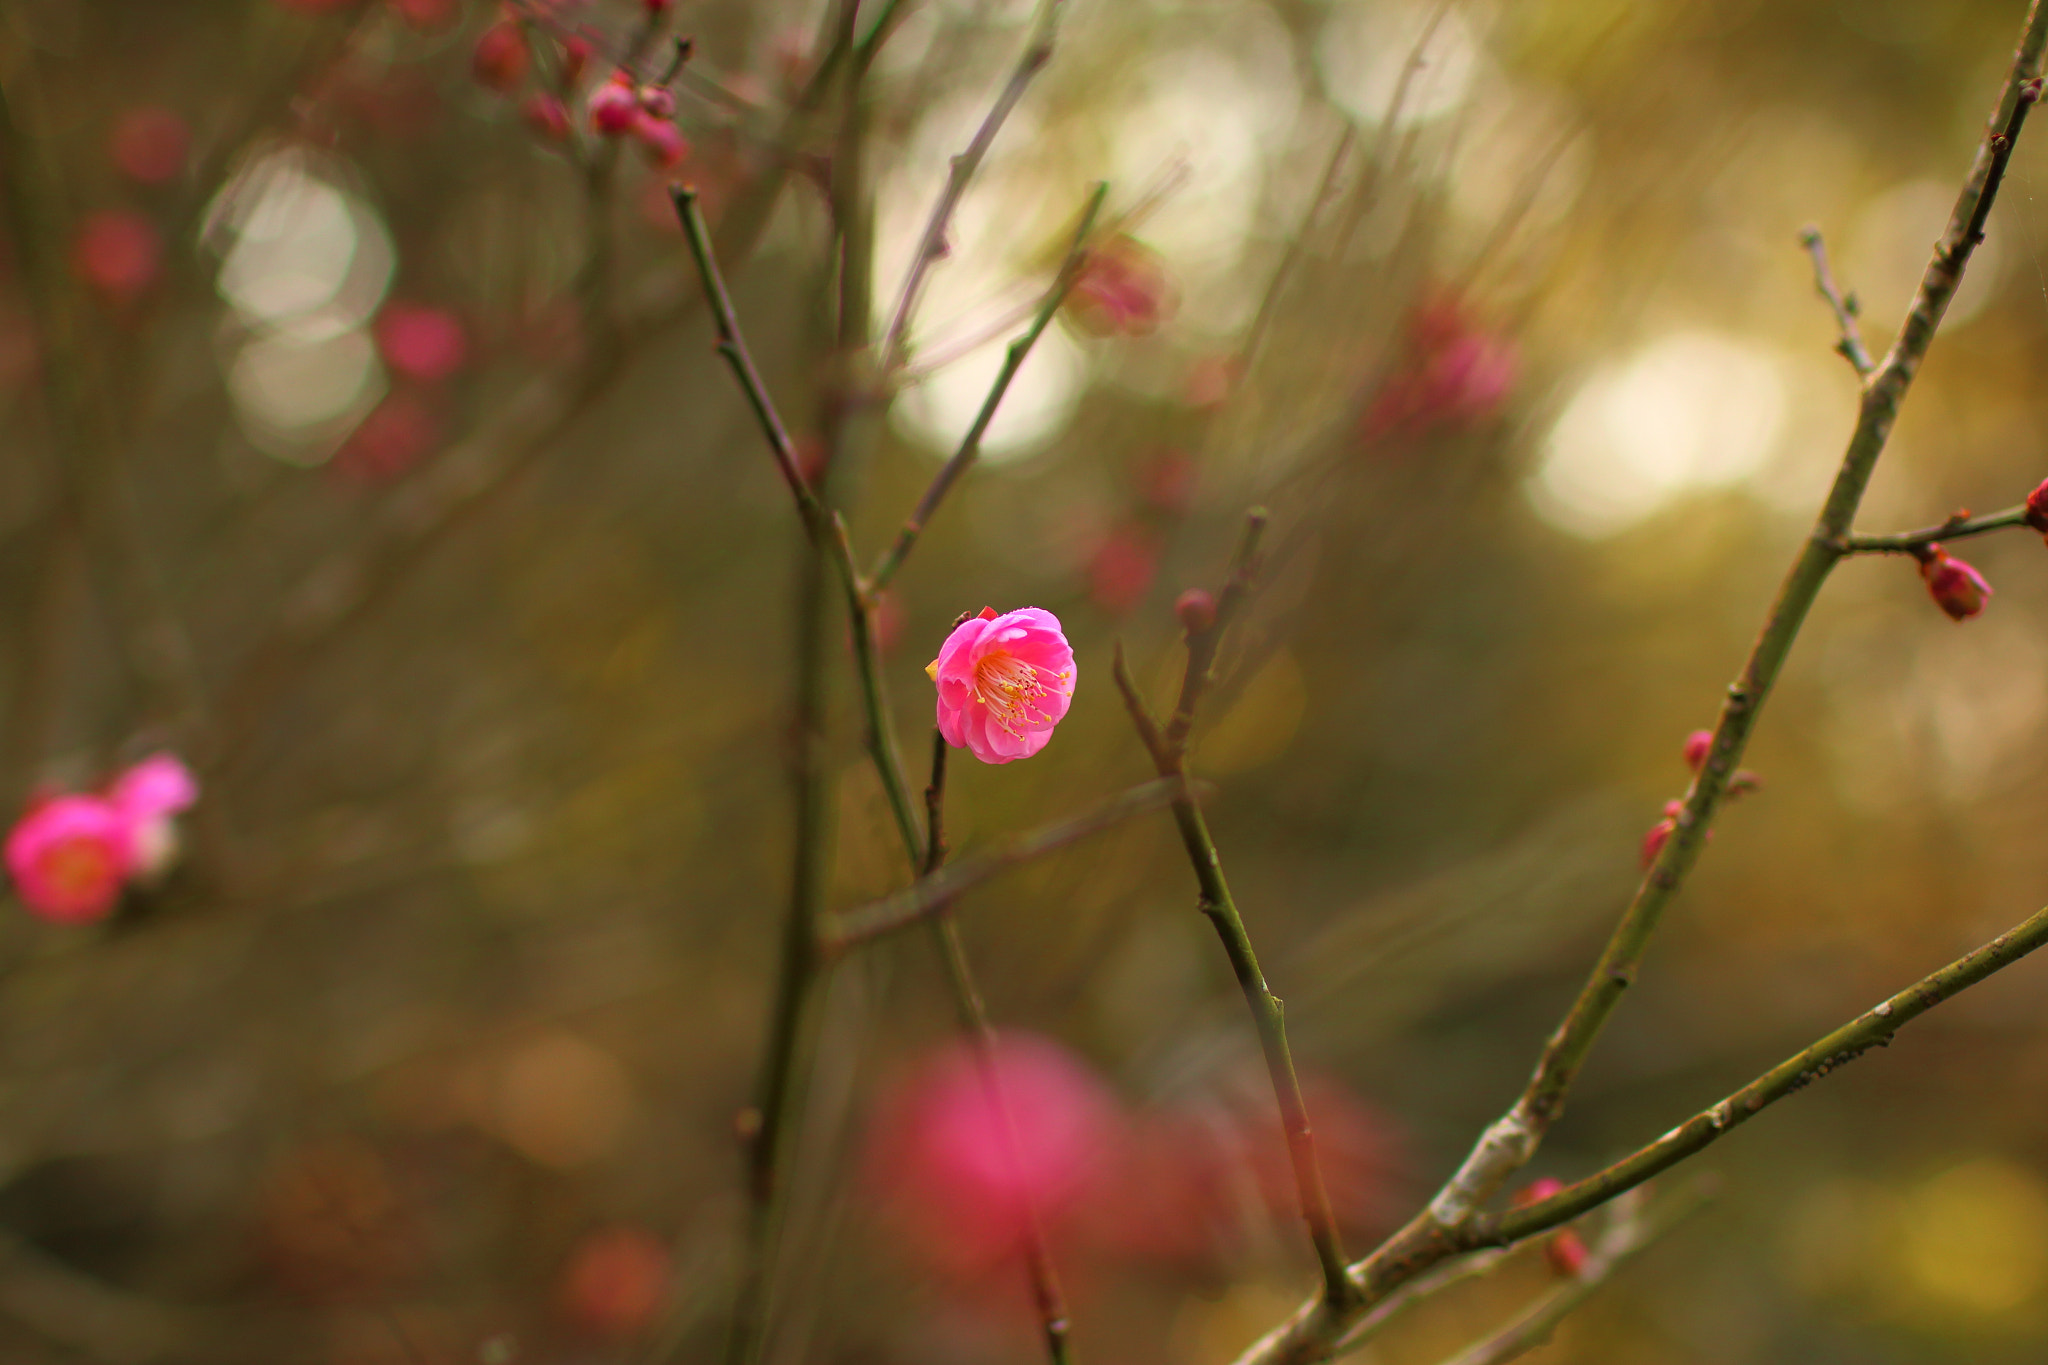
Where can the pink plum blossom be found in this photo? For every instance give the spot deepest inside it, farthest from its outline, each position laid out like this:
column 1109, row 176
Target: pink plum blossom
column 69, row 857
column 966, row 1185
column 147, row 796
column 614, row 106
column 1004, row 682
column 1123, row 289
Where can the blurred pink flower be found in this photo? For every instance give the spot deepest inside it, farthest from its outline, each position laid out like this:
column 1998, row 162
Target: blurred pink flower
column 149, row 144
column 1123, row 289
column 1004, row 682
column 147, row 796
column 1453, row 373
column 1120, row 571
column 69, row 856
column 502, row 58
column 1956, row 587
column 547, row 116
column 421, row 342
column 118, row 253
column 614, row 107
column 665, row 146
column 941, row 1158
column 616, row 1281
column 1167, row 481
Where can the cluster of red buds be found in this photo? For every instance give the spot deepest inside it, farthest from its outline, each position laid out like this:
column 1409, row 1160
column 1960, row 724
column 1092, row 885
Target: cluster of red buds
column 621, row 106
column 1698, row 745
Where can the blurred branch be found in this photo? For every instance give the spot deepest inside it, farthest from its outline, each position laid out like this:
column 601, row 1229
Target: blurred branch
column 1444, row 1228
column 849, row 929
column 1843, row 306
column 970, row 445
column 931, row 243
column 1631, row 1232
column 1961, row 526
column 1168, row 746
column 1297, row 244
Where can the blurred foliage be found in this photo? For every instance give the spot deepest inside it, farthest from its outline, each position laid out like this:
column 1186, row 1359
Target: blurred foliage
column 431, row 1049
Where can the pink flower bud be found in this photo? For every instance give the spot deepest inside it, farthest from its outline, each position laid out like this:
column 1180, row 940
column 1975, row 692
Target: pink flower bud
column 427, row 344
column 1653, row 842
column 1195, row 610
column 502, row 58
column 149, row 145
column 1536, row 1191
column 1955, row 586
column 70, row 856
column 664, row 144
column 147, row 796
column 1698, row 745
column 657, row 100
column 546, row 116
column 614, row 108
column 2037, row 508
column 118, row 253
column 1004, row 682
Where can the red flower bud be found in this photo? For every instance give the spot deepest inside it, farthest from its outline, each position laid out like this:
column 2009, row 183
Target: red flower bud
column 501, row 58
column 658, row 101
column 575, row 58
column 546, row 116
column 1697, row 745
column 2037, row 508
column 614, row 108
column 1955, row 586
column 1566, row 1253
column 1196, row 611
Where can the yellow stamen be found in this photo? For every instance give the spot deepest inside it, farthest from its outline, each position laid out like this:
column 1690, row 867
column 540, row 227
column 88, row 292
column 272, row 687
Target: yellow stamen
column 1009, row 688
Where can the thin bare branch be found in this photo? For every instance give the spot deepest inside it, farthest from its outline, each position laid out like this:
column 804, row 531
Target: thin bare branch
column 1842, row 305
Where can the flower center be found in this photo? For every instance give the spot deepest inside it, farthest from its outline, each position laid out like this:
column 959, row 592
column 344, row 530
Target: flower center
column 78, row 868
column 1008, row 687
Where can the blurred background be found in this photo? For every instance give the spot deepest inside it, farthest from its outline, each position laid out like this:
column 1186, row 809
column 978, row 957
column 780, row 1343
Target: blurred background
column 365, row 447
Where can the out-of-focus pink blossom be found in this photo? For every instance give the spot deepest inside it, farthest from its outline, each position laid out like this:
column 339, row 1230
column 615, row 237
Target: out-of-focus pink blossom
column 399, row 432
column 1123, row 289
column 1453, row 373
column 502, row 58
column 118, row 253
column 1698, row 745
column 964, row 1187
column 615, row 1281
column 1121, row 569
column 1956, row 587
column 664, row 144
column 1004, row 682
column 421, row 342
column 149, row 144
column 658, row 100
column 1211, row 381
column 148, row 796
column 614, row 106
column 1167, row 481
column 69, row 857
column 547, row 116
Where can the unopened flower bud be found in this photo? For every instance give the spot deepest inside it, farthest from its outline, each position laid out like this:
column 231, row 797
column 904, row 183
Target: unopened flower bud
column 658, row 101
column 664, row 145
column 1697, row 746
column 614, row 108
column 1196, row 611
column 2037, row 508
column 575, row 60
column 1653, row 842
column 1955, row 586
column 546, row 116
column 501, row 58
column 1567, row 1254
